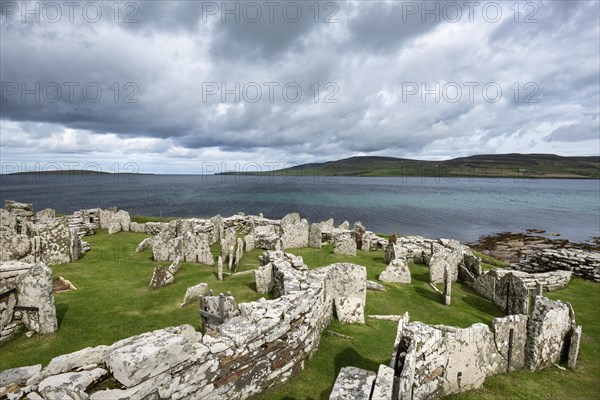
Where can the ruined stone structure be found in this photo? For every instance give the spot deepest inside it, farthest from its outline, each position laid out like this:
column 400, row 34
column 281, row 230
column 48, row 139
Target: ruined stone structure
column 397, row 271
column 432, row 361
column 267, row 343
column 585, row 264
column 25, row 237
column 26, row 299
column 165, row 276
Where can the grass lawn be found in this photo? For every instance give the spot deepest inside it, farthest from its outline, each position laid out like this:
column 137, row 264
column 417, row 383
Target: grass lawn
column 114, row 302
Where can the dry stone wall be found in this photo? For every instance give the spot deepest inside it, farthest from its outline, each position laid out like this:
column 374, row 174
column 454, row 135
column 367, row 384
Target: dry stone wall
column 26, row 299
column 29, row 239
column 433, row 361
column 267, row 343
column 585, row 264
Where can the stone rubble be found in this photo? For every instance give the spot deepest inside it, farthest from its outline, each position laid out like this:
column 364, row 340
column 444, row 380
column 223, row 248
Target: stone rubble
column 344, row 244
column 435, row 361
column 25, row 237
column 26, row 298
column 396, row 272
column 259, row 345
column 194, row 293
column 585, row 264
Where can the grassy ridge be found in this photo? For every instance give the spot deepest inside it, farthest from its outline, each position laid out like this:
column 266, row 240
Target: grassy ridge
column 114, row 302
column 487, row 166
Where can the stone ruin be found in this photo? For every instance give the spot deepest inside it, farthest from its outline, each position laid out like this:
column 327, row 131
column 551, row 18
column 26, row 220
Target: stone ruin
column 26, row 299
column 252, row 346
column 37, row 237
column 165, row 276
column 585, row 264
column 433, row 361
column 261, row 344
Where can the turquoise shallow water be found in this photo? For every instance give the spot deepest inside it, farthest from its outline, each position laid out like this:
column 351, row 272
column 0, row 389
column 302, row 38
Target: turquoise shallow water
column 463, row 209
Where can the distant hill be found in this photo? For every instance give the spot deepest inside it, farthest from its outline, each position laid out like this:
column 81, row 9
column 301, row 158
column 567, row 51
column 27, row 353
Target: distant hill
column 73, row 172
column 485, row 165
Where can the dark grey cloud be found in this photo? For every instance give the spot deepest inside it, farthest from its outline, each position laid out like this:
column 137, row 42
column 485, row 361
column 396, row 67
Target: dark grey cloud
column 367, row 56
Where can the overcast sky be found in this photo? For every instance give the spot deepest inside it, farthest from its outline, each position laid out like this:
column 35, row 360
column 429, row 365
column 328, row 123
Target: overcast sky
column 295, row 82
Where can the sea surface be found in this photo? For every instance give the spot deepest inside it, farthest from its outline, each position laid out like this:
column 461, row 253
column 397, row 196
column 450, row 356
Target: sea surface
column 463, row 209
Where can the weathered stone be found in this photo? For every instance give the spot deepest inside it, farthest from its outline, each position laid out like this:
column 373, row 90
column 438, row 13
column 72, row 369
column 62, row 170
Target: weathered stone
column 77, row 381
column 315, row 236
column 392, row 252
column 547, row 328
column 295, row 231
column 75, row 360
column 501, row 348
column 376, row 286
column 144, row 245
column 264, row 278
column 34, row 289
column 512, row 295
column 119, row 221
column 353, row 384
column 384, row 384
column 194, row 293
column 105, row 218
column 349, row 310
column 161, row 277
column 344, row 244
column 137, row 227
column 574, row 348
column 239, row 253
column 220, row 268
column 175, row 265
column 396, row 272
column 250, row 245
column 442, row 258
column 148, row 355
column 18, row 376
column 344, row 226
column 447, row 286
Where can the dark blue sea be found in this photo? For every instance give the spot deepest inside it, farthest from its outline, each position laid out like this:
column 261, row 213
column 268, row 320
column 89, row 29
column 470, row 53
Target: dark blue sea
column 463, row 208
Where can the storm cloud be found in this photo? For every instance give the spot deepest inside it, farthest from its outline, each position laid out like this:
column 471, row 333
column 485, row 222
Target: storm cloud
column 169, row 85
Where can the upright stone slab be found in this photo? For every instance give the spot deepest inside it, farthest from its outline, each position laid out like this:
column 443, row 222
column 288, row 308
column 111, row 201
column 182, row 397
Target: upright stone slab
column 194, row 293
column 239, row 253
column 34, row 289
column 344, row 244
column 314, row 238
column 392, row 252
column 295, row 231
column 264, row 278
column 447, row 287
column 574, row 348
column 547, row 328
column 396, row 272
column 220, row 268
column 442, row 258
column 249, row 242
column 161, row 276
column 384, row 384
column 231, row 256
column 353, row 384
column 350, row 310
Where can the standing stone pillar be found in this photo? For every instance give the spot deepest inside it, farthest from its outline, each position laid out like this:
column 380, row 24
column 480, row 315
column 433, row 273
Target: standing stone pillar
column 447, row 286
column 230, row 265
column 220, row 268
column 239, row 253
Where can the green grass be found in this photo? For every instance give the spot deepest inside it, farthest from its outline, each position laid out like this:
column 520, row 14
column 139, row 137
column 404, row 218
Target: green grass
column 114, row 302
column 142, row 219
column 488, row 262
